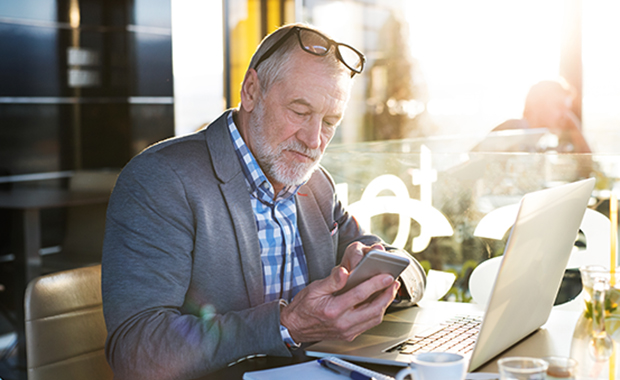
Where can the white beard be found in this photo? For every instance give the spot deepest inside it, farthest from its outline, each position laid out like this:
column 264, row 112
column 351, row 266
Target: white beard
column 271, row 160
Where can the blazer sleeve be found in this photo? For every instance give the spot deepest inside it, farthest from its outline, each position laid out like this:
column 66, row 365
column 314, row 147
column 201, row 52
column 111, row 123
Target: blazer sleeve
column 146, row 274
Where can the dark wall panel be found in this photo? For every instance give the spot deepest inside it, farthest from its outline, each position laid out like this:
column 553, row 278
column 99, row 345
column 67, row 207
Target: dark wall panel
column 30, row 62
column 29, row 138
column 106, row 143
column 149, row 121
column 153, row 75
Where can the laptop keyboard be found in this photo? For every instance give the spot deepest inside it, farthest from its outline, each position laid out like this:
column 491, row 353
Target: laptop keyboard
column 456, row 335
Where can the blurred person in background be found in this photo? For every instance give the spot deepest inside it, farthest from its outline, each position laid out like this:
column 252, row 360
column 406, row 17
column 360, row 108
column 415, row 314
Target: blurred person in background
column 549, row 105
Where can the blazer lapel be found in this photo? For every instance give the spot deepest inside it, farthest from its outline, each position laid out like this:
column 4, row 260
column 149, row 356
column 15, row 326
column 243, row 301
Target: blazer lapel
column 234, row 190
column 316, row 239
column 236, row 195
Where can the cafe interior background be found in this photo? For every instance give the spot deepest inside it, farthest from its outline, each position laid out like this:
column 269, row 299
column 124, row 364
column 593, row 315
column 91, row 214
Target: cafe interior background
column 87, row 84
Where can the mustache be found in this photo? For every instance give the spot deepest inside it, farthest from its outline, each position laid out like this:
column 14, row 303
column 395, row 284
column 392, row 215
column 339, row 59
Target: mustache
column 298, row 147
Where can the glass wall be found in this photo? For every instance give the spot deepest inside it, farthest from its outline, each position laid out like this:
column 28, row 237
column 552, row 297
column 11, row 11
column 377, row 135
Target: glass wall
column 452, row 208
column 450, row 67
column 601, row 78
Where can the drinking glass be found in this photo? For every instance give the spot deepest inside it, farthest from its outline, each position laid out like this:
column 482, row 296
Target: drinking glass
column 561, row 367
column 522, row 368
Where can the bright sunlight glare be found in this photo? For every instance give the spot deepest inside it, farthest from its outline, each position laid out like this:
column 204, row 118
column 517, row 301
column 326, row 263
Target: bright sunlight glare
column 487, row 52
column 601, row 77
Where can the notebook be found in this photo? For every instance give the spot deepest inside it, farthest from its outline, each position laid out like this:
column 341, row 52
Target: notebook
column 312, row 370
column 532, row 268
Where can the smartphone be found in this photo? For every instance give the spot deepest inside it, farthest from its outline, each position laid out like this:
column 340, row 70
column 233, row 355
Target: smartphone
column 373, row 263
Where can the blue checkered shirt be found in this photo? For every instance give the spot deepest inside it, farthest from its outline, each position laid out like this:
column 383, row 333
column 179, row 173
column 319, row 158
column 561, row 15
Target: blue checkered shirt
column 285, row 271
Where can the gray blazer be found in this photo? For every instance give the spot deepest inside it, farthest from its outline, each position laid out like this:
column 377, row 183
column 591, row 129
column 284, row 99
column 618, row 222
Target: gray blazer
column 182, row 277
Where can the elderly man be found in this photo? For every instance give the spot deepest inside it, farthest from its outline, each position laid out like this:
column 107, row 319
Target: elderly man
column 231, row 242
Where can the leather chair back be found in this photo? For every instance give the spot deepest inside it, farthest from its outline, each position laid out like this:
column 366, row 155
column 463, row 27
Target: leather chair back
column 65, row 329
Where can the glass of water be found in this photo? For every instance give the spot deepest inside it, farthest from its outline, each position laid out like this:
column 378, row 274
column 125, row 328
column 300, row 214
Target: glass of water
column 522, row 368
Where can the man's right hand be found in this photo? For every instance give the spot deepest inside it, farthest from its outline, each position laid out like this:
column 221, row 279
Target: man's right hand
column 316, row 314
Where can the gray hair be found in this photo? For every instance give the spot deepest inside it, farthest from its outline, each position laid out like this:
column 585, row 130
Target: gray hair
column 279, row 63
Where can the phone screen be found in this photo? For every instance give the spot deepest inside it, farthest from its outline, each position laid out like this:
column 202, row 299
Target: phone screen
column 373, row 263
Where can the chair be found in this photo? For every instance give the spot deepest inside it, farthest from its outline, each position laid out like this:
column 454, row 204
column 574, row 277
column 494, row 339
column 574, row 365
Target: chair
column 65, row 329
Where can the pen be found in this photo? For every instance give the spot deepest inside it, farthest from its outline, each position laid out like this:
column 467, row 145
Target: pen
column 344, row 371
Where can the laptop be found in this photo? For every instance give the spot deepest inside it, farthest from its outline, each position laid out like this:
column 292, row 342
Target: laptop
column 529, row 277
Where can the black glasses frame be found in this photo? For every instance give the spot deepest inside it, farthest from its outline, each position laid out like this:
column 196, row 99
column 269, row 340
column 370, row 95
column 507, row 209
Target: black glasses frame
column 297, row 30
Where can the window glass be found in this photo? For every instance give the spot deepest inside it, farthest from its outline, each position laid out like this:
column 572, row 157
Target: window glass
column 601, row 77
column 44, row 10
column 442, row 67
